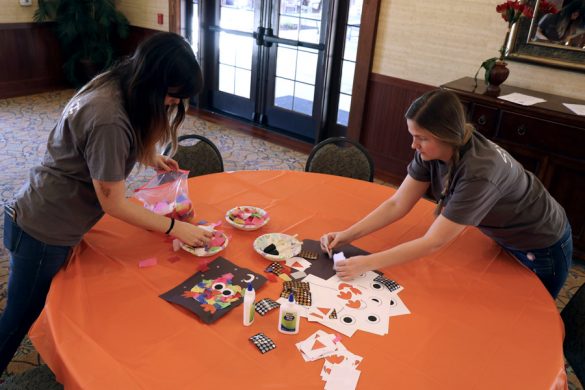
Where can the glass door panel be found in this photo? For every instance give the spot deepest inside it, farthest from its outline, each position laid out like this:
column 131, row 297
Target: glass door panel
column 265, row 63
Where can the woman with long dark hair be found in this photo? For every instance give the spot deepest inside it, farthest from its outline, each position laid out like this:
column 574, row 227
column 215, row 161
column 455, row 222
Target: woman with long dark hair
column 117, row 119
column 475, row 183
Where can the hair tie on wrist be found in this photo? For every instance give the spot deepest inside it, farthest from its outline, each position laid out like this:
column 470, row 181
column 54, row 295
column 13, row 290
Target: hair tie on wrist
column 171, row 227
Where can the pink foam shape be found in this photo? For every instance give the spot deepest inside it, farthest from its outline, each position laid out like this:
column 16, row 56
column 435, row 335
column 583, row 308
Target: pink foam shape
column 150, row 262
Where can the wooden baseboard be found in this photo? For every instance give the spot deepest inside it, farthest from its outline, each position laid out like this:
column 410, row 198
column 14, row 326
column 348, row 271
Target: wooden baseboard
column 258, row 132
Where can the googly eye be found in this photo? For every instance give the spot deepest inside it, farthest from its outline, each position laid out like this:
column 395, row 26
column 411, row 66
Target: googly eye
column 347, row 320
column 393, row 302
column 227, row 292
column 376, row 286
column 218, row 286
column 373, row 318
column 375, row 301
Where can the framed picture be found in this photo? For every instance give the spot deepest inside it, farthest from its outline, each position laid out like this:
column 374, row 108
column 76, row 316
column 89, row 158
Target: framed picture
column 549, row 39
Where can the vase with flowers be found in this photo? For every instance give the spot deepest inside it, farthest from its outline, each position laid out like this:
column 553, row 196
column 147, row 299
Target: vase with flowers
column 496, row 71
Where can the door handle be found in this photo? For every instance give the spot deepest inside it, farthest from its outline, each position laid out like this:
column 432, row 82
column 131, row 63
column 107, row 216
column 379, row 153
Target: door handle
column 292, row 42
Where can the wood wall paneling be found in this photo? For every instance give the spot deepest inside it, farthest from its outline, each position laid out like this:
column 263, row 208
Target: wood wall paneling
column 384, row 132
column 31, row 59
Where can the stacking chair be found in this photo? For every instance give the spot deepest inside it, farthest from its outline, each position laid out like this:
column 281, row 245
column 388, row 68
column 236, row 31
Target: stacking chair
column 573, row 315
column 197, row 154
column 342, row 157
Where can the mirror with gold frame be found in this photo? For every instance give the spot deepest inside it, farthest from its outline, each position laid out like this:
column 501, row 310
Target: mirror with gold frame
column 551, row 39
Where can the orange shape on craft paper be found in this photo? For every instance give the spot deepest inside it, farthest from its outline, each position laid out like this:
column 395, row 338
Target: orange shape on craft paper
column 344, row 295
column 318, row 345
column 353, row 304
column 189, row 294
column 323, row 310
column 335, row 359
column 208, row 307
column 316, row 315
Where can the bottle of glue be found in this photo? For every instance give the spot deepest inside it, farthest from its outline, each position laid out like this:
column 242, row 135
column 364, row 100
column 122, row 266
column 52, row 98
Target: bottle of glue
column 249, row 297
column 288, row 318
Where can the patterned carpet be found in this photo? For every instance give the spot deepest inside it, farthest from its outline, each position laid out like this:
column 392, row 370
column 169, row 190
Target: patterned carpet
column 24, row 126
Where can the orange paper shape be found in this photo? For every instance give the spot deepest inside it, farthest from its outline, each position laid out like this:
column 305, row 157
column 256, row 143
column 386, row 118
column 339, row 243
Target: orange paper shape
column 318, row 345
column 209, row 308
column 335, row 359
column 344, row 295
column 323, row 310
column 353, row 304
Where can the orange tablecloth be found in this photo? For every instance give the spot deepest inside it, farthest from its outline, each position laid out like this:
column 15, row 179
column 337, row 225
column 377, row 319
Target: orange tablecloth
column 479, row 319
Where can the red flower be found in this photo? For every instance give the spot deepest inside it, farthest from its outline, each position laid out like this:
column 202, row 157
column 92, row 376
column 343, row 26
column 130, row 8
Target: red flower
column 511, row 11
column 544, row 7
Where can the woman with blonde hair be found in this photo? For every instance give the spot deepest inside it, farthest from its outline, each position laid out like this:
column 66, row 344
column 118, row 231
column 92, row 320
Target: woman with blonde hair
column 475, row 183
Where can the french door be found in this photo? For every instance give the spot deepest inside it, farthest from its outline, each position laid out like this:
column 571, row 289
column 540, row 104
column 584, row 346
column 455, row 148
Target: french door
column 266, row 61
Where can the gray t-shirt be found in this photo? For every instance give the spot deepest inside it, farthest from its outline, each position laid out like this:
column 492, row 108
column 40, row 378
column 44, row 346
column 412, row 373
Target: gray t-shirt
column 92, row 140
column 494, row 192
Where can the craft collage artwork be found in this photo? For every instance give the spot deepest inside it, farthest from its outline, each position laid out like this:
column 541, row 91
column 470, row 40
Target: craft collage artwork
column 307, row 270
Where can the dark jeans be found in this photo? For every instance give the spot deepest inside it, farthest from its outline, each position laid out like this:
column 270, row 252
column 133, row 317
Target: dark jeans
column 550, row 264
column 33, row 264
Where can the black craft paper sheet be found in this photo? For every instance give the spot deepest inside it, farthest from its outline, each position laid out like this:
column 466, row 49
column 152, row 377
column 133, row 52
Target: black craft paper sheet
column 323, row 265
column 213, row 293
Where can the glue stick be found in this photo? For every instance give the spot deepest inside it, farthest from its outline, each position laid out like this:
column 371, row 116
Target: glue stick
column 288, row 318
column 249, row 297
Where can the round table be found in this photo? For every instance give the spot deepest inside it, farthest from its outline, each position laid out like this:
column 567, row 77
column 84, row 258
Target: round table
column 478, row 318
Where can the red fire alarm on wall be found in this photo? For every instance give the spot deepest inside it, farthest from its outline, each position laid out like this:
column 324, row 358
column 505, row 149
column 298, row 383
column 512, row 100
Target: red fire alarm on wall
column 159, row 18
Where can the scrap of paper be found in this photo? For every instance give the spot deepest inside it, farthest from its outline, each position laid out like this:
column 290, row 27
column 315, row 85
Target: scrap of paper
column 317, row 346
column 298, row 263
column 263, row 342
column 150, row 262
column 342, row 378
column 578, row 109
column 365, row 303
column 519, row 98
column 337, row 257
column 265, row 305
column 340, row 365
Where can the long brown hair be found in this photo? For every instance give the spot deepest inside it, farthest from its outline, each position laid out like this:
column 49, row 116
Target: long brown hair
column 162, row 64
column 440, row 112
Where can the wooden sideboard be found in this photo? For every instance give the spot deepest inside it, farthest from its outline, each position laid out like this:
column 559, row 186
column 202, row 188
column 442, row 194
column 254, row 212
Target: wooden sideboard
column 547, row 138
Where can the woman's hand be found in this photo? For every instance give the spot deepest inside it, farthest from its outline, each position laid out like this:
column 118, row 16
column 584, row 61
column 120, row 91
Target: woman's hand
column 191, row 234
column 164, row 163
column 353, row 267
column 333, row 240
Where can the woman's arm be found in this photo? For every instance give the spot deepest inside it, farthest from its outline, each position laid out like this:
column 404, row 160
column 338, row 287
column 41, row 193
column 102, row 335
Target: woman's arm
column 394, row 208
column 111, row 196
column 441, row 232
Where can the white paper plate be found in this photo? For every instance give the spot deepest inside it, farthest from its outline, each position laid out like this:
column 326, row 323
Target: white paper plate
column 246, row 227
column 287, row 246
column 201, row 252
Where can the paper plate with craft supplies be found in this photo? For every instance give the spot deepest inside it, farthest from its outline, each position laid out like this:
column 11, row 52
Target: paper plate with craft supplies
column 218, row 242
column 277, row 246
column 247, row 217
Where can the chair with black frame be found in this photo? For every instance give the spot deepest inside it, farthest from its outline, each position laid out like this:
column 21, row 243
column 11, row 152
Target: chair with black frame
column 573, row 315
column 341, row 156
column 200, row 157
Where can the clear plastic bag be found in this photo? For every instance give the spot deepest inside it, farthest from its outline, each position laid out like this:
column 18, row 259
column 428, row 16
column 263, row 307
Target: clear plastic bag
column 167, row 194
